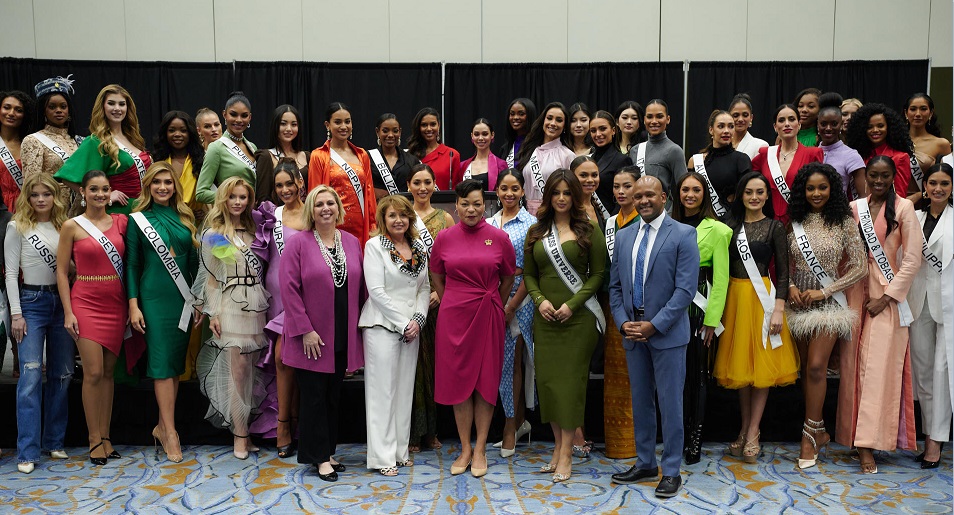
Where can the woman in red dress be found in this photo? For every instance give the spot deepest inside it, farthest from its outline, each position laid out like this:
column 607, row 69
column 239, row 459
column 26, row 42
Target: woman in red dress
column 472, row 269
column 95, row 310
column 878, row 130
column 790, row 155
column 425, row 144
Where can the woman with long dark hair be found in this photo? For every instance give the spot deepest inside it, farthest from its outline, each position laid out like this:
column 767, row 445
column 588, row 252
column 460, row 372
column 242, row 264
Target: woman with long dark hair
column 564, row 248
column 629, row 118
column 826, row 257
column 580, row 116
column 16, row 119
column 284, row 143
column 545, row 149
column 603, row 133
column 425, row 144
column 720, row 164
column 875, row 398
column 391, row 164
column 695, row 208
column 926, row 140
column 484, row 165
column 806, row 103
column 520, row 114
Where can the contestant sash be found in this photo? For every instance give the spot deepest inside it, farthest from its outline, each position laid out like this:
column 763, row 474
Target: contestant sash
column 48, row 143
column 610, row 234
column 424, row 235
column 699, row 163
column 467, row 172
column 916, row 173
column 766, row 297
column 702, row 302
column 169, row 263
column 278, row 232
column 140, row 165
column 641, row 157
column 877, row 253
column 237, row 153
column 536, row 173
column 808, row 254
column 42, row 248
column 777, row 177
column 510, row 157
column 250, row 257
column 382, row 165
column 276, row 153
column 352, row 176
column 599, row 205
column 569, row 276
column 11, row 163
column 108, row 247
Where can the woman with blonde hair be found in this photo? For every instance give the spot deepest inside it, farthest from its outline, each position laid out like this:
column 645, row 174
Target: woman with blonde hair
column 114, row 146
column 395, row 273
column 209, row 126
column 161, row 262
column 30, row 246
column 229, row 289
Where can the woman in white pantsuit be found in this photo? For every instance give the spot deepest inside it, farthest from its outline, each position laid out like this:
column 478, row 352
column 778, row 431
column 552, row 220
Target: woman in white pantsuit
column 931, row 297
column 395, row 268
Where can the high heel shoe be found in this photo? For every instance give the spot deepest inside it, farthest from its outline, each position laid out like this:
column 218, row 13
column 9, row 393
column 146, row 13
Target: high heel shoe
column 113, row 455
column 456, row 471
column 809, row 429
column 95, row 460
column 242, row 455
column 523, row 430
column 752, row 450
column 286, row 451
column 920, row 457
column 868, row 467
column 735, row 448
column 161, row 437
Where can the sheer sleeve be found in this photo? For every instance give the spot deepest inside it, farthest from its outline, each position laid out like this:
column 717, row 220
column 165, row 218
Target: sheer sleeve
column 856, row 258
column 208, row 280
column 780, row 251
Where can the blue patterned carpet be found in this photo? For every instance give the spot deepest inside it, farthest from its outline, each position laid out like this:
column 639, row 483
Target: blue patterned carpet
column 211, row 480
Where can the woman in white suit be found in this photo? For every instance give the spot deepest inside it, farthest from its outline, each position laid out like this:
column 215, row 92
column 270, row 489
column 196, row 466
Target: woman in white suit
column 395, row 268
column 931, row 297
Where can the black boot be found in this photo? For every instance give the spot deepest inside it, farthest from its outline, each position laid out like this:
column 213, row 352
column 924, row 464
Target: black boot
column 694, row 446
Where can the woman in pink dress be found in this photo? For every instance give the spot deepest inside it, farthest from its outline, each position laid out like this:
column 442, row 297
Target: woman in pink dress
column 472, row 268
column 875, row 399
column 95, row 311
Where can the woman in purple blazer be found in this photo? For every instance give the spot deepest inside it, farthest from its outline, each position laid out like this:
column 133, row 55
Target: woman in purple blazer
column 321, row 264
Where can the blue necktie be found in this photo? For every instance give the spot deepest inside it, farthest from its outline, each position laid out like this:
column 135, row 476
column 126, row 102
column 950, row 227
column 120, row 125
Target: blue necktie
column 640, row 266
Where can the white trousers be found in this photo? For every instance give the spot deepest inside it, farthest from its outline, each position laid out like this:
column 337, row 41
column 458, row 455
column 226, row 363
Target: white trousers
column 929, row 361
column 389, row 369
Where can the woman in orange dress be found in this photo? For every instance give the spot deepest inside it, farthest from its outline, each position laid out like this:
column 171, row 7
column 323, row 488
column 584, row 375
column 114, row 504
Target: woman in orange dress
column 329, row 165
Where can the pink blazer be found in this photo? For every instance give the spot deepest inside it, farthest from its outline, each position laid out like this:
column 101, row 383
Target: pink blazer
column 495, row 165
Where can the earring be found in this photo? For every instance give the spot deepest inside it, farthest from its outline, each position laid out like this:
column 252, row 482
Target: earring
column 924, row 194
column 379, row 142
column 83, row 201
column 351, row 136
column 398, row 144
column 110, row 203
column 438, row 139
column 328, row 133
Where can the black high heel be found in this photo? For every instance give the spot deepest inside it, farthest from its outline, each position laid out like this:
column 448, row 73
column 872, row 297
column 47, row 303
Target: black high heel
column 113, row 455
column 920, row 457
column 95, row 460
column 286, row 451
column 330, row 477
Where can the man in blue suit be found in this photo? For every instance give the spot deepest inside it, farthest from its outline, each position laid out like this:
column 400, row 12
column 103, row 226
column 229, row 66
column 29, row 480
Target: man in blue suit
column 652, row 282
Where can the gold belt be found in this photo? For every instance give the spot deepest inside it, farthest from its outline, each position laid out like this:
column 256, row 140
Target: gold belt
column 101, row 278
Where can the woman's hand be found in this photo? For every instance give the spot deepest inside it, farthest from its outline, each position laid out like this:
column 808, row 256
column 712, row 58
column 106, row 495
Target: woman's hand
column 811, row 296
column 707, row 333
column 18, row 328
column 876, row 306
column 412, row 331
column 136, row 320
column 794, row 296
column 71, row 325
column 198, row 316
column 312, row 344
column 215, row 326
column 563, row 314
column 434, row 301
column 509, row 313
column 118, row 196
column 547, row 311
column 775, row 324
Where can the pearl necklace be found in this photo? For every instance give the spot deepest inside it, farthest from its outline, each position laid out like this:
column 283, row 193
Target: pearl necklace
column 337, row 263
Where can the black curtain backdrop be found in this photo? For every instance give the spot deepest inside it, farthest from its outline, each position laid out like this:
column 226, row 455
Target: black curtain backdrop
column 770, row 84
column 485, row 90
column 470, row 90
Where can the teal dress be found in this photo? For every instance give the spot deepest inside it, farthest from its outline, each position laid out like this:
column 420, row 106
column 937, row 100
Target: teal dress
column 159, row 300
column 562, row 351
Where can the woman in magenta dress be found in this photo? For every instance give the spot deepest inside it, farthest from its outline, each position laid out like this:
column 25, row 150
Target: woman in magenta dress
column 95, row 311
column 472, row 268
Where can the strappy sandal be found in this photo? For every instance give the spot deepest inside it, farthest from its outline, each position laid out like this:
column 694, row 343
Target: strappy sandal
column 547, row 469
column 560, row 477
column 868, row 467
column 405, row 463
column 752, row 450
column 113, row 455
column 389, row 471
column 810, row 429
column 735, row 448
column 581, row 451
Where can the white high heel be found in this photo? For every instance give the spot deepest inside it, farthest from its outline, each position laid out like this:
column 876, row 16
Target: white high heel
column 524, row 429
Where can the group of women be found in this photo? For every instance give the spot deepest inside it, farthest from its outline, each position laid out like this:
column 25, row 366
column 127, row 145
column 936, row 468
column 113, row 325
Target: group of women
column 178, row 255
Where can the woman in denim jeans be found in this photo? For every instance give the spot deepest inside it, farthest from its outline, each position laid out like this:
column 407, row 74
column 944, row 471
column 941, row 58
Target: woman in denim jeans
column 30, row 246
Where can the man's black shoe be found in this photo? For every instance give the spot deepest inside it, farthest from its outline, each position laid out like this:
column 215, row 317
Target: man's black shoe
column 668, row 486
column 634, row 475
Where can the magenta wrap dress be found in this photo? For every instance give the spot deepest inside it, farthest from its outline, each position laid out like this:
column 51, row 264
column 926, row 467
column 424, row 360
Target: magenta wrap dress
column 469, row 344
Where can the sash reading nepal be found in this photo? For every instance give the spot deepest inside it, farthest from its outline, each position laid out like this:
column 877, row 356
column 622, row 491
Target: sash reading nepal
column 352, row 176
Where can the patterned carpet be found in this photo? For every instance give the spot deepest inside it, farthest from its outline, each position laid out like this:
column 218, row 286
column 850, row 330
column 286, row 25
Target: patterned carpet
column 211, row 480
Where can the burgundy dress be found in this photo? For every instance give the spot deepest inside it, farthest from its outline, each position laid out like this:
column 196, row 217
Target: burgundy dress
column 469, row 344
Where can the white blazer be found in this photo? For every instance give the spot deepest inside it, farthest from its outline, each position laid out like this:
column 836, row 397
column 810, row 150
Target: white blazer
column 927, row 284
column 393, row 296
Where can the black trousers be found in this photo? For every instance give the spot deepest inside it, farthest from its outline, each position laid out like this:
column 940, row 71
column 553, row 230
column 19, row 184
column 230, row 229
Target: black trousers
column 698, row 372
column 318, row 411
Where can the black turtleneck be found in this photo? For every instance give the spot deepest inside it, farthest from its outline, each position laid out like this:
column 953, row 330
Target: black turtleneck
column 693, row 220
column 725, row 166
column 609, row 160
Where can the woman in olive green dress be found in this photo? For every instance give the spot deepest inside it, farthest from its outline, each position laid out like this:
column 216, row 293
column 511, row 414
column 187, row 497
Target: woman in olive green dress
column 162, row 232
column 568, row 320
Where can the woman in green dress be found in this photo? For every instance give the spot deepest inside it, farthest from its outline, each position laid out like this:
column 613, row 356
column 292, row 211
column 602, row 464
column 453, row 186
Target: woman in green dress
column 421, row 184
column 563, row 270
column 231, row 155
column 161, row 245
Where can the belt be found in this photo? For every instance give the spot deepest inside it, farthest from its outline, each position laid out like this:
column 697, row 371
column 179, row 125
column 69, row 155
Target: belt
column 241, row 280
column 100, row 278
column 39, row 287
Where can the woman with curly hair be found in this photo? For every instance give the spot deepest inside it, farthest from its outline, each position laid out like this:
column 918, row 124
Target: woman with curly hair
column 177, row 143
column 875, row 401
column 546, row 149
column 114, row 146
column 878, row 130
column 564, row 263
column 826, row 256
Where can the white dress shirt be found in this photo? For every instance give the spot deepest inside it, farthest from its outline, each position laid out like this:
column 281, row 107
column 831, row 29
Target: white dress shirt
column 653, row 231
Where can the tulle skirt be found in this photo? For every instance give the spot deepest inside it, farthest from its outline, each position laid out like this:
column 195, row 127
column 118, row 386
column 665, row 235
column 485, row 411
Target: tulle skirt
column 226, row 366
column 742, row 359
